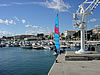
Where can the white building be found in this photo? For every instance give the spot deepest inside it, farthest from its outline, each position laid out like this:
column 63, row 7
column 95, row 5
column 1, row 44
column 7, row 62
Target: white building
column 96, row 30
column 67, row 33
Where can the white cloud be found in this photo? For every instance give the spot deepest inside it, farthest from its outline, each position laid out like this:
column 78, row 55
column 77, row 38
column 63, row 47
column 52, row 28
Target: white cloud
column 5, row 33
column 36, row 27
column 28, row 25
column 59, row 5
column 26, row 3
column 31, row 32
column 23, row 21
column 1, row 21
column 16, row 18
column 44, row 31
column 18, row 3
column 4, row 5
column 49, row 31
column 7, row 21
column 94, row 20
column 96, row 26
column 32, row 26
column 11, row 22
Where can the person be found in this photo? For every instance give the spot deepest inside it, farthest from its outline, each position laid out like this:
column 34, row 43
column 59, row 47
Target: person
column 89, row 49
column 92, row 49
column 55, row 49
column 56, row 61
column 60, row 52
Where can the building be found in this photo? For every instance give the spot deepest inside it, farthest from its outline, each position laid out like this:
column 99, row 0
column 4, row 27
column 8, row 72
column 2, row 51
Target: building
column 96, row 32
column 69, row 33
column 35, row 38
column 21, row 37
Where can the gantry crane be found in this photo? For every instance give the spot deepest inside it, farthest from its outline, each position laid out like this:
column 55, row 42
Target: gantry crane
column 84, row 11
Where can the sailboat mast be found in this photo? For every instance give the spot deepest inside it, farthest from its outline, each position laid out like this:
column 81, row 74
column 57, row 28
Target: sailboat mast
column 59, row 29
column 57, row 33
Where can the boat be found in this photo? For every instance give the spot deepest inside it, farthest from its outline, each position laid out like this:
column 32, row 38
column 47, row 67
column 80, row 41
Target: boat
column 57, row 47
column 37, row 46
column 56, row 35
column 2, row 44
column 47, row 47
column 64, row 46
column 25, row 45
column 16, row 44
column 9, row 44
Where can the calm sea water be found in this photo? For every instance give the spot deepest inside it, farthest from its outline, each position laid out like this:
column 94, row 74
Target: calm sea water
column 18, row 61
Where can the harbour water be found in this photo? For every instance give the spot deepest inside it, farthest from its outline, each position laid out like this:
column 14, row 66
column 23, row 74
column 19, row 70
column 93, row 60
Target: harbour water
column 18, row 61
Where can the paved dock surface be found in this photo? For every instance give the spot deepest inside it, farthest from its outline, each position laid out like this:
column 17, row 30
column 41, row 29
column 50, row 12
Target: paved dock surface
column 66, row 67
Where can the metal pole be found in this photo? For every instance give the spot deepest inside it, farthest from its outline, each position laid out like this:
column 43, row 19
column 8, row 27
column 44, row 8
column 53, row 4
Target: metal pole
column 82, row 27
column 82, row 40
column 82, row 50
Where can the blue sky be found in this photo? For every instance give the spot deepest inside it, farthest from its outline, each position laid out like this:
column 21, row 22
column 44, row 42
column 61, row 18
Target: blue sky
column 38, row 16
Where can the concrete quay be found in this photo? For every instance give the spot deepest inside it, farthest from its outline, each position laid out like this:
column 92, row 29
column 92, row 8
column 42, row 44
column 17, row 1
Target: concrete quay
column 75, row 66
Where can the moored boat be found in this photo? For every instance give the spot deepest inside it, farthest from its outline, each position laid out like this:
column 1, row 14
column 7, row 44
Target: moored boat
column 47, row 47
column 37, row 46
column 25, row 45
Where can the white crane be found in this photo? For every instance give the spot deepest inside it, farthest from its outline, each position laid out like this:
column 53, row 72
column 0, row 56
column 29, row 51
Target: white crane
column 81, row 16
